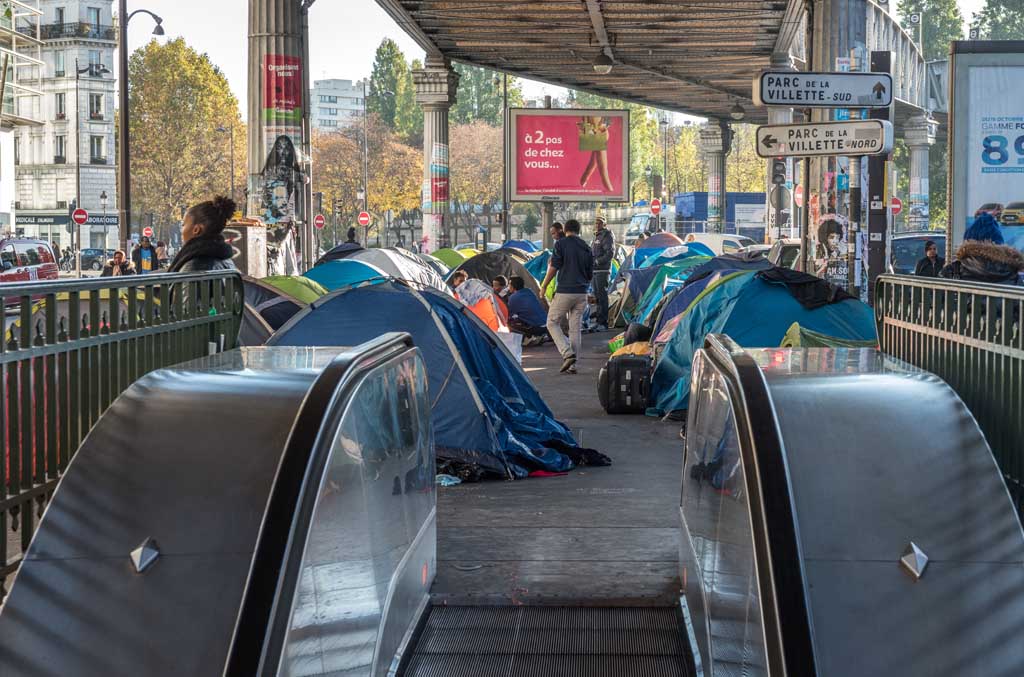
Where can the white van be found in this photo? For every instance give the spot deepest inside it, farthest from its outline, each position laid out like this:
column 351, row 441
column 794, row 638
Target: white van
column 720, row 243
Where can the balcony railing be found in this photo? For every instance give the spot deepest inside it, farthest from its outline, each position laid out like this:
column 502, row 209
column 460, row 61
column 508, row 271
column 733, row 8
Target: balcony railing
column 70, row 348
column 59, row 160
column 78, row 29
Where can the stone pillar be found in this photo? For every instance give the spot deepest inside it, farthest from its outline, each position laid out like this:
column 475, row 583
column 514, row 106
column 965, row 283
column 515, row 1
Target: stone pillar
column 436, row 84
column 715, row 142
column 919, row 135
column 776, row 227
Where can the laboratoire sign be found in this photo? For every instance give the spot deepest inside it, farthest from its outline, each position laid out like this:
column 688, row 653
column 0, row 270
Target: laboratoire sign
column 823, row 90
column 850, row 138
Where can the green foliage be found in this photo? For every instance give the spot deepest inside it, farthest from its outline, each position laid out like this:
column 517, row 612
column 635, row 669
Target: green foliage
column 942, row 24
column 408, row 115
column 178, row 100
column 388, row 83
column 1001, row 20
column 480, row 96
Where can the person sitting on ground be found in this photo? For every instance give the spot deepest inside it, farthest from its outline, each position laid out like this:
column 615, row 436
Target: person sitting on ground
column 202, row 233
column 118, row 265
column 499, row 286
column 526, row 315
column 480, row 298
column 931, row 265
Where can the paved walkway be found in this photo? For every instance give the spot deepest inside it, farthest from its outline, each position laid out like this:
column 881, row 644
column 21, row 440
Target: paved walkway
column 597, row 536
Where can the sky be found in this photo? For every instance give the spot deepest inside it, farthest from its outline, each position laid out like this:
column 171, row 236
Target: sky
column 343, row 36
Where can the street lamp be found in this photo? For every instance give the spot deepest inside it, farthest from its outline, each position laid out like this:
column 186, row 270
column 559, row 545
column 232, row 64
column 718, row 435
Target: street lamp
column 231, row 131
column 505, row 225
column 124, row 195
column 97, row 70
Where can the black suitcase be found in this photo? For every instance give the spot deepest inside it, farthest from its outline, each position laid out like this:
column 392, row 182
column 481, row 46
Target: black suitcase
column 624, row 383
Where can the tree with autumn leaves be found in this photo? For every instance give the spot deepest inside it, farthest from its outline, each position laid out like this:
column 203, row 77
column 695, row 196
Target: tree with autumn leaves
column 179, row 102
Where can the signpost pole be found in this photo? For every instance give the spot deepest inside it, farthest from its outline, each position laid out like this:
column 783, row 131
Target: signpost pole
column 853, row 234
column 878, row 193
column 547, row 209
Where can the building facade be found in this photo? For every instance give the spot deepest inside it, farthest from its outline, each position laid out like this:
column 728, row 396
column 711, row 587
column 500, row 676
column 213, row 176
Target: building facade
column 335, row 104
column 76, row 137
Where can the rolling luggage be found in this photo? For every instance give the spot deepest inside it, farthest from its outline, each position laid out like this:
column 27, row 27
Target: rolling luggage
column 624, row 383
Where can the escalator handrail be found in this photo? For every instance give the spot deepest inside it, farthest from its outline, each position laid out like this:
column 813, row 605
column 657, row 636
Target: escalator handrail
column 261, row 626
column 778, row 553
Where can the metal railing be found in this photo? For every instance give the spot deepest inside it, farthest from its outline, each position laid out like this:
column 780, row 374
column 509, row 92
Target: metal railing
column 69, row 348
column 970, row 335
column 75, row 29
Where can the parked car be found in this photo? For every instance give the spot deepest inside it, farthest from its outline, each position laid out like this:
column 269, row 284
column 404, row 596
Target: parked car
column 786, row 253
column 908, row 249
column 1013, row 214
column 993, row 208
column 644, row 223
column 761, row 249
column 26, row 260
column 94, row 258
column 720, row 243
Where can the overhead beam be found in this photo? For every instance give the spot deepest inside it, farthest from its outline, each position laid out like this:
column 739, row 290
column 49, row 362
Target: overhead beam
column 600, row 32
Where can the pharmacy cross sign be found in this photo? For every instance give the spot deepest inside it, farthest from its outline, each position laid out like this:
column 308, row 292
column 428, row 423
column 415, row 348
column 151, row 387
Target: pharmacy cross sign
column 794, row 89
column 851, row 138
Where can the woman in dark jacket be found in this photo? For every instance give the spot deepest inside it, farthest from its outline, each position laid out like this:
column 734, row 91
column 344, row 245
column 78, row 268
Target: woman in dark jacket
column 202, row 232
column 980, row 261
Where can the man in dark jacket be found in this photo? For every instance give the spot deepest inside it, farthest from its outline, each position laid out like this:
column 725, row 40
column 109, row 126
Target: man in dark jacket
column 980, row 261
column 603, row 249
column 574, row 262
column 931, row 265
column 145, row 257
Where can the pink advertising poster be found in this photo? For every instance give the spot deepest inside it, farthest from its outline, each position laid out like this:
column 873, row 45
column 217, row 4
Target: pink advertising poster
column 569, row 154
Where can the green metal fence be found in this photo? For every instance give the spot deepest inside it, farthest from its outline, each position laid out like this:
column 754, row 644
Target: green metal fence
column 972, row 336
column 69, row 348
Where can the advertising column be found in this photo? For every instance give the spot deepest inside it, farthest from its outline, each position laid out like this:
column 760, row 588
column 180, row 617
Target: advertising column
column 436, row 85
column 987, row 138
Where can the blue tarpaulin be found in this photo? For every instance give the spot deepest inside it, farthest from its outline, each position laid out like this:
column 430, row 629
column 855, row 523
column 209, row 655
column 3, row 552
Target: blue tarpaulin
column 523, row 245
column 486, row 413
column 755, row 314
column 538, row 265
column 342, row 273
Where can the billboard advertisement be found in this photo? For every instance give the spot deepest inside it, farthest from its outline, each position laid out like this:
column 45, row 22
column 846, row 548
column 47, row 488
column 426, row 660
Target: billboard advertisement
column 576, row 155
column 987, row 137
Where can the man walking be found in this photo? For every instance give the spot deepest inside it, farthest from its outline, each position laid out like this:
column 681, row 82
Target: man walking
column 145, row 257
column 603, row 249
column 573, row 261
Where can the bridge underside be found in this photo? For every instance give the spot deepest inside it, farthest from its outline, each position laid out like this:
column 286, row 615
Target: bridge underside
column 691, row 56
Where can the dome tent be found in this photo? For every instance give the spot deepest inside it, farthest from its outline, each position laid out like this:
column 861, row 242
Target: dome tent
column 450, row 257
column 488, row 265
column 486, row 412
column 296, row 286
column 340, row 273
column 402, row 265
column 341, row 251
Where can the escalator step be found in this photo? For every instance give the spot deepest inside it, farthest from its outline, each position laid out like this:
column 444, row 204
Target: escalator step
column 547, row 641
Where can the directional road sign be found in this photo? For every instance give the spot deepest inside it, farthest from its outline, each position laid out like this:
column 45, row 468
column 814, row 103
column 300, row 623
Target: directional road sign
column 364, row 219
column 795, row 89
column 655, row 206
column 319, row 221
column 856, row 137
column 80, row 216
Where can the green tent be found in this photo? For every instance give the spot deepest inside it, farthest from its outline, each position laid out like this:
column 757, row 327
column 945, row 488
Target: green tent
column 801, row 337
column 298, row 287
column 450, row 257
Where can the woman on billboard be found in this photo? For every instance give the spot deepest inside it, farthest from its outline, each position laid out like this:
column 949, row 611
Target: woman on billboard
column 593, row 137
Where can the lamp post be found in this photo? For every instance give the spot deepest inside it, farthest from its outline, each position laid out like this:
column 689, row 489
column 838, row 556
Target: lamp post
column 231, row 131
column 505, row 225
column 124, row 194
column 103, row 206
column 100, row 70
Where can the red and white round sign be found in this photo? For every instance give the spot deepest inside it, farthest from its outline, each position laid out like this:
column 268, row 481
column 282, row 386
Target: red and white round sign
column 319, row 221
column 798, row 196
column 80, row 216
column 147, row 232
column 364, row 219
column 655, row 206
column 897, row 205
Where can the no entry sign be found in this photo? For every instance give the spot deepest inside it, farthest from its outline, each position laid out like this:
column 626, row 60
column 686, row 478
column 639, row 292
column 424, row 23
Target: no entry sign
column 319, row 221
column 655, row 206
column 856, row 137
column 798, row 196
column 897, row 206
column 147, row 232
column 823, row 90
column 364, row 219
column 80, row 216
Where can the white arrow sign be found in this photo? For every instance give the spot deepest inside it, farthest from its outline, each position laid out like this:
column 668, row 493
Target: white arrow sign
column 856, row 137
column 796, row 89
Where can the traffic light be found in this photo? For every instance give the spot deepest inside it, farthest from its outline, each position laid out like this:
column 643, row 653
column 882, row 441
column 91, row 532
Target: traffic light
column 778, row 172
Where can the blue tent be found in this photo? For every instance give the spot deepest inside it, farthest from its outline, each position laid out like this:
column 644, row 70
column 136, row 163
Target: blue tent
column 538, row 265
column 523, row 245
column 728, row 262
column 681, row 251
column 682, row 298
column 343, row 272
column 755, row 314
column 486, row 413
